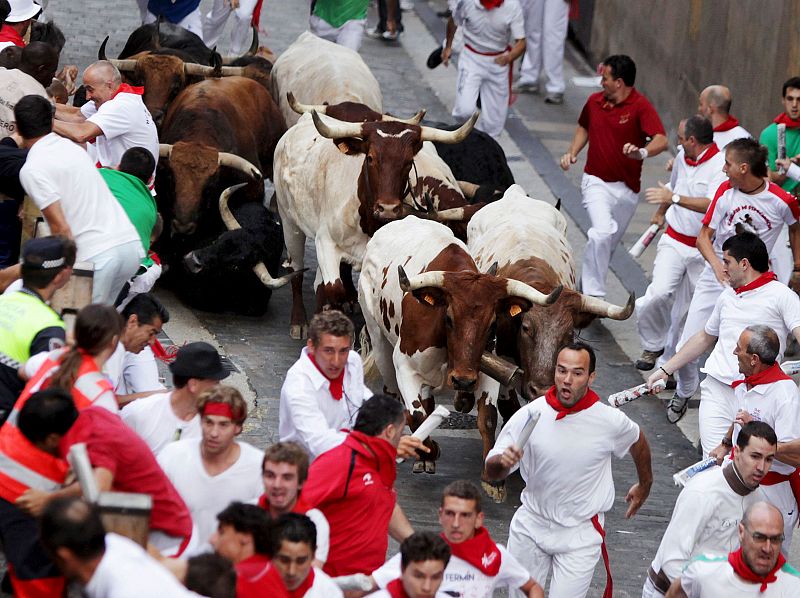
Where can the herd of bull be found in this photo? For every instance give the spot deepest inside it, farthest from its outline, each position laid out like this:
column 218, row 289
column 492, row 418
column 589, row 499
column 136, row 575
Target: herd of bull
column 458, row 265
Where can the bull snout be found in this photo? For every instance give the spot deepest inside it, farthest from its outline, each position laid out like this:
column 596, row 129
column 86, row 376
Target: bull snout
column 466, row 383
column 388, row 211
column 183, row 228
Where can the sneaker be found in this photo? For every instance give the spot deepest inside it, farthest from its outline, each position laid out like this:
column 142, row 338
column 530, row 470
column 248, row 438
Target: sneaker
column 525, row 88
column 676, row 408
column 648, row 360
column 374, row 33
column 554, row 98
column 406, row 5
column 390, row 36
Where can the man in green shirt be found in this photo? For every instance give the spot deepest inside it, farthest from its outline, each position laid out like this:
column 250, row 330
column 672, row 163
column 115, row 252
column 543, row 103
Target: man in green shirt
column 769, row 136
column 342, row 21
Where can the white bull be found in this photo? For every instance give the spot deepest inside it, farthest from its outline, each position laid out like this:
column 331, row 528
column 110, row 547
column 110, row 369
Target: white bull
column 319, row 72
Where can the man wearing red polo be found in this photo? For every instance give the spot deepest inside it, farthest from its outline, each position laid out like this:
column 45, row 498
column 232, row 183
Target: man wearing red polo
column 622, row 129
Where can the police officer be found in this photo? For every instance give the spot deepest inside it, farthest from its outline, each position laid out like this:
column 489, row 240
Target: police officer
column 27, row 323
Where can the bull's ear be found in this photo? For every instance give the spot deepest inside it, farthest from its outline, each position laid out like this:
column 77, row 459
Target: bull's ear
column 514, row 307
column 432, row 297
column 350, row 146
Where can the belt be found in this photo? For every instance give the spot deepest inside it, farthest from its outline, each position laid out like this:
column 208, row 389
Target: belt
column 510, row 65
column 681, row 238
column 609, row 591
column 659, row 580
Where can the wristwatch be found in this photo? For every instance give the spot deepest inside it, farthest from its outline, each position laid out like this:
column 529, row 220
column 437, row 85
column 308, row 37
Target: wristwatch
column 676, row 199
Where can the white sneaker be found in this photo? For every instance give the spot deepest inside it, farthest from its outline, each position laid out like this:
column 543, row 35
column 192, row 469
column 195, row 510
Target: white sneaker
column 406, row 5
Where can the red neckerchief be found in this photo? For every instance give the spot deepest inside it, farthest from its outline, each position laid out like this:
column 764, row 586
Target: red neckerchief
column 125, row 88
column 727, row 124
column 783, row 119
column 300, row 506
column 396, row 589
column 9, row 34
column 304, row 587
column 383, row 453
column 711, row 151
column 773, row 373
column 154, row 256
column 742, row 570
column 589, row 399
column 491, row 4
column 480, row 551
column 336, row 384
column 766, row 277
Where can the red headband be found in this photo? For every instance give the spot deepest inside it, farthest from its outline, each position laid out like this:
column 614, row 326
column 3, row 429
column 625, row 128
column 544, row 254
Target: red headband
column 222, row 409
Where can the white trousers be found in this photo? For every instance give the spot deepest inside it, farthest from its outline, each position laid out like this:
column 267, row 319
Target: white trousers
column 703, row 300
column 480, row 76
column 611, row 207
column 675, row 263
column 571, row 552
column 142, row 4
column 113, row 268
column 215, row 21
column 717, row 412
column 348, row 35
column 193, row 21
column 781, row 497
column 545, row 33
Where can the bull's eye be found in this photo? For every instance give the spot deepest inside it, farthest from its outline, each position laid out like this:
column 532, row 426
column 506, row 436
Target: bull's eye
column 448, row 321
column 526, row 329
column 370, row 160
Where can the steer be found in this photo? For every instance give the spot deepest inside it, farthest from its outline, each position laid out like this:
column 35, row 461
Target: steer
column 318, row 72
column 430, row 312
column 340, row 192
column 527, row 239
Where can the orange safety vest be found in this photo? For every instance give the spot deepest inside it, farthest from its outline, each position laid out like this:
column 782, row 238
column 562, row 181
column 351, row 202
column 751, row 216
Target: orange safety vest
column 24, row 466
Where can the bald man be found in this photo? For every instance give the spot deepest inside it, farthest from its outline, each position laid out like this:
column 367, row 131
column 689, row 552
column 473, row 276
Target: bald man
column 115, row 117
column 715, row 105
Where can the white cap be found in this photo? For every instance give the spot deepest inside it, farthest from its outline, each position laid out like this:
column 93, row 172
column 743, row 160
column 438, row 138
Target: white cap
column 22, row 10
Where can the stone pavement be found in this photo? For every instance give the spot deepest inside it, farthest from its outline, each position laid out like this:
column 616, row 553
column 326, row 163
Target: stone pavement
column 536, row 134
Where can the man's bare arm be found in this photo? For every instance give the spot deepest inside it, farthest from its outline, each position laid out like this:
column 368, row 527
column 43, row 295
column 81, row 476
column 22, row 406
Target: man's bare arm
column 79, row 132
column 640, row 451
column 399, row 525
column 675, row 590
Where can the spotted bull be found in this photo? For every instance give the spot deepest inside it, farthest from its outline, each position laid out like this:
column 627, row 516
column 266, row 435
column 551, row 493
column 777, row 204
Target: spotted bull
column 527, row 239
column 340, row 192
column 430, row 312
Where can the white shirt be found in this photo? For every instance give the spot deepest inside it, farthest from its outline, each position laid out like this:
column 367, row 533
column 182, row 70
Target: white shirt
column 773, row 304
column 705, row 520
column 488, row 30
column 462, row 579
column 153, row 419
column 764, row 214
column 713, row 577
column 777, row 404
column 723, row 138
column 58, row 170
column 14, row 84
column 126, row 123
column 206, row 495
column 309, row 415
column 127, row 571
column 132, row 372
column 566, row 464
column 323, row 586
column 693, row 181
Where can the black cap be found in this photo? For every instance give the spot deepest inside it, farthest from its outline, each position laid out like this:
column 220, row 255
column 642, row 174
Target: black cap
column 44, row 253
column 198, row 360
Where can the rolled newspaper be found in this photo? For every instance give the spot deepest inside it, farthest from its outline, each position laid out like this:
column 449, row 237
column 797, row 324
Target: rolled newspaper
column 684, row 475
column 431, row 422
column 790, row 368
column 78, row 459
column 631, row 394
column 781, row 145
column 525, row 435
column 356, row 581
column 644, row 241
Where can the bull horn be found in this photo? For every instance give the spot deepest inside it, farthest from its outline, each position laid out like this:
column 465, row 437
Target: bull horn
column 434, row 278
column 101, row 53
column 468, row 189
column 198, row 70
column 335, row 129
column 516, row 288
column 251, row 51
column 450, row 215
column 123, row 65
column 239, row 163
column 303, row 108
column 164, row 150
column 457, row 136
column 414, row 120
column 232, row 71
column 506, row 373
column 492, row 271
column 231, row 223
column 594, row 305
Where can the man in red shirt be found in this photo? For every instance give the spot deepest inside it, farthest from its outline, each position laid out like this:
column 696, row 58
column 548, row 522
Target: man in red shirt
column 353, row 485
column 616, row 123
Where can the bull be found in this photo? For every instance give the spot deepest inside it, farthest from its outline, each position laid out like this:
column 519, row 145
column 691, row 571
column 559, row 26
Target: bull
column 339, row 193
column 318, row 72
column 430, row 312
column 527, row 239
